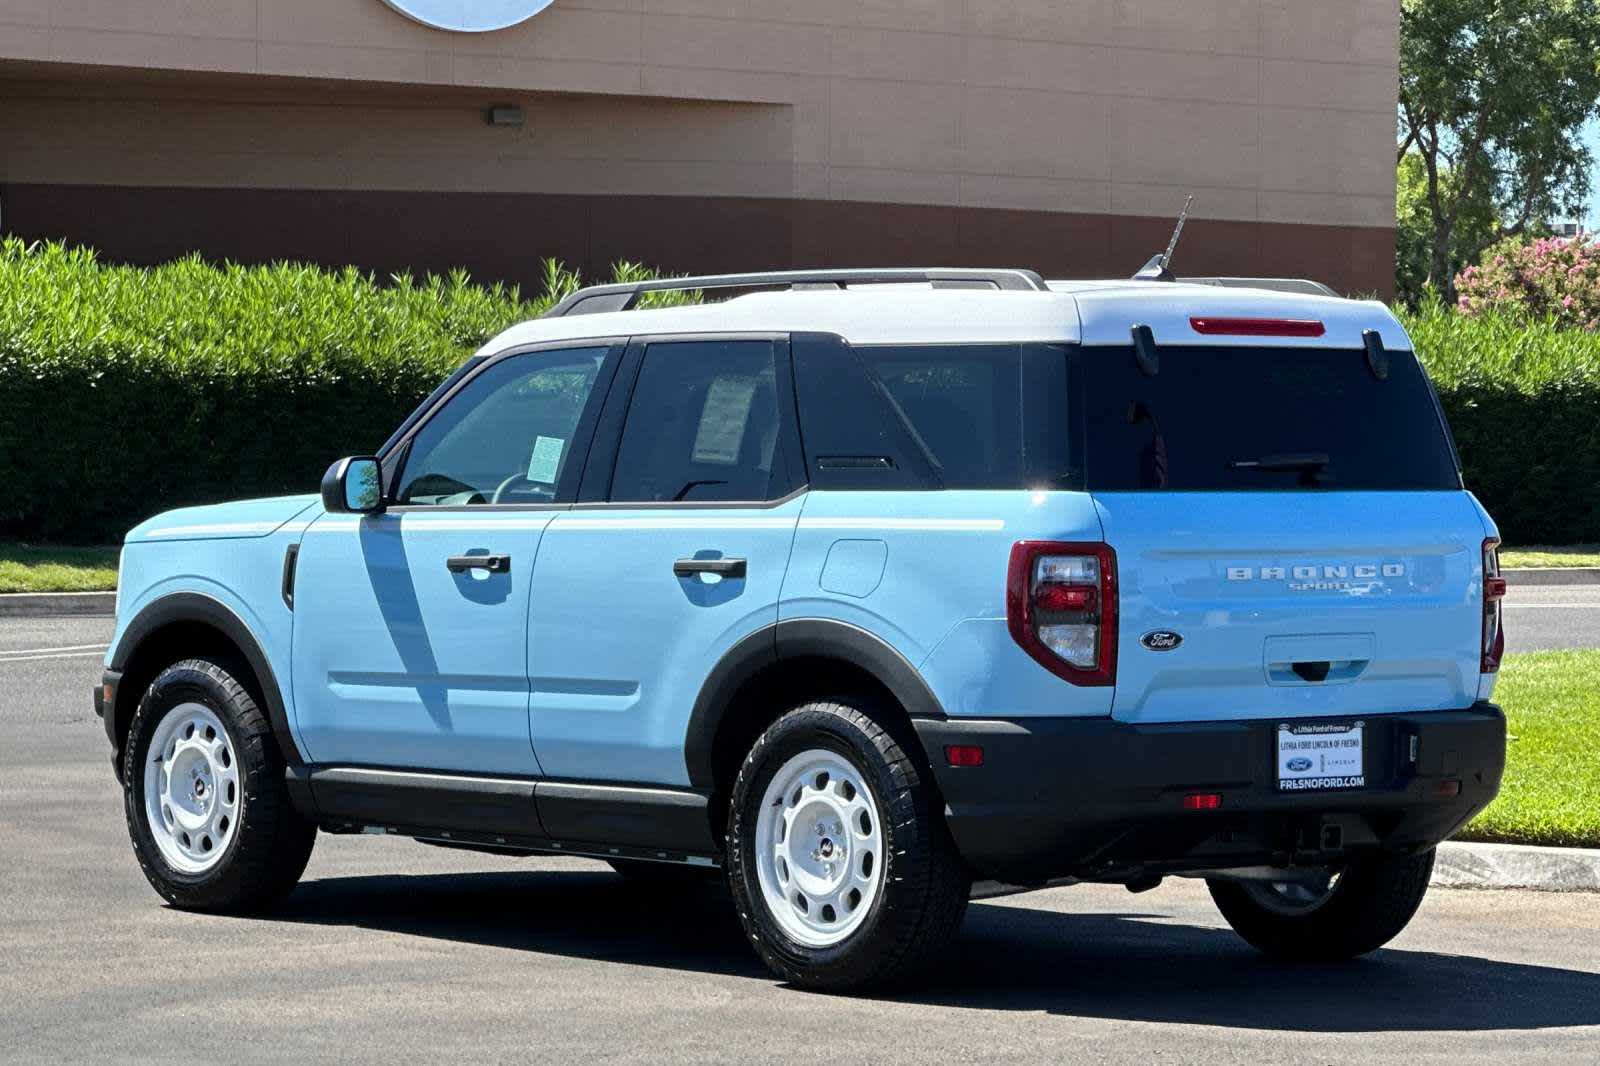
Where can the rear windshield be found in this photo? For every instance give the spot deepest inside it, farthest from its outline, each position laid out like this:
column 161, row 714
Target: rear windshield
column 1243, row 419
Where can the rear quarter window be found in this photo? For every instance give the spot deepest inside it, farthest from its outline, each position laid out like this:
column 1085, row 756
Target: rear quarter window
column 956, row 416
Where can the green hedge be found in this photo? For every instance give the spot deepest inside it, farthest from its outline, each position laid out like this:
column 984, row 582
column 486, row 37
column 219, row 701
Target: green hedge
column 125, row 391
column 1523, row 400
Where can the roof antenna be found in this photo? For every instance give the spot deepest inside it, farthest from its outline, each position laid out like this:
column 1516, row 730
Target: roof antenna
column 1156, row 268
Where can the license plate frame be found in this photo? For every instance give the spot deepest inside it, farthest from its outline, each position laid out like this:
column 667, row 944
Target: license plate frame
column 1320, row 756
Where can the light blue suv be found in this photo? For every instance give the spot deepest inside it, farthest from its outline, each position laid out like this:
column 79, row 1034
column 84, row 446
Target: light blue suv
column 862, row 588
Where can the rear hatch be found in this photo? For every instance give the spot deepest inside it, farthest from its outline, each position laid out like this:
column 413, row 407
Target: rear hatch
column 1291, row 534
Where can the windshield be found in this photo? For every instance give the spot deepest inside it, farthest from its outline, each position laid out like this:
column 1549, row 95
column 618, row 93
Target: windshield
column 1249, row 419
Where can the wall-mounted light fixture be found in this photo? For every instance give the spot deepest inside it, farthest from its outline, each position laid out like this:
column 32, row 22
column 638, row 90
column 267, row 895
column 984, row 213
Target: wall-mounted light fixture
column 505, row 115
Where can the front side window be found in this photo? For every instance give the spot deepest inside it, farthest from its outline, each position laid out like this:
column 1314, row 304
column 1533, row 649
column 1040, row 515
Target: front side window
column 507, row 436
column 702, row 425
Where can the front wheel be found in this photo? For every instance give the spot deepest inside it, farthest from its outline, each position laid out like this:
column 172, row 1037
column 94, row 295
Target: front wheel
column 1356, row 909
column 204, row 793
column 839, row 859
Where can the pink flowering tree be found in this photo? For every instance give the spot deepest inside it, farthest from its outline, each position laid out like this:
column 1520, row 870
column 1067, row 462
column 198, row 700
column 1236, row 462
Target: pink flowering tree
column 1547, row 277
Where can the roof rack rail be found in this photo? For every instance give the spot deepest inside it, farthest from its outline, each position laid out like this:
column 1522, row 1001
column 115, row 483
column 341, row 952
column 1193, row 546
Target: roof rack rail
column 625, row 296
column 1300, row 286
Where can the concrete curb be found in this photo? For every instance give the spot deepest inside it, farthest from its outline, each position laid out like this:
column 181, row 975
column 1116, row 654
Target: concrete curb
column 55, row 604
column 1517, row 866
column 1552, row 575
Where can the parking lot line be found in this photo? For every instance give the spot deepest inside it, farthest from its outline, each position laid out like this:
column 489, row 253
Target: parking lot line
column 36, row 654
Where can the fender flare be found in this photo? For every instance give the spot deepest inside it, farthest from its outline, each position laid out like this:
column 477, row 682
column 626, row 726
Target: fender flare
column 795, row 639
column 198, row 607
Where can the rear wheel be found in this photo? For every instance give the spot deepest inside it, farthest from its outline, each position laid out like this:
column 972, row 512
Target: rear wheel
column 204, row 794
column 839, row 859
column 1352, row 911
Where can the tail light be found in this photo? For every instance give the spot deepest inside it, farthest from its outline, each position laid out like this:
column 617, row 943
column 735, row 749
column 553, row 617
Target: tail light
column 1494, row 590
column 1061, row 606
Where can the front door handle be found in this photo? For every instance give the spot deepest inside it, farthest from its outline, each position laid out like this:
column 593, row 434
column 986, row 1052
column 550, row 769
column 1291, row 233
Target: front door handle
column 495, row 564
column 720, row 567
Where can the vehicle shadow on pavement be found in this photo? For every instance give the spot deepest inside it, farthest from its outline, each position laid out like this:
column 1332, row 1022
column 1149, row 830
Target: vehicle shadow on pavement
column 1131, row 966
column 575, row 913
column 1123, row 966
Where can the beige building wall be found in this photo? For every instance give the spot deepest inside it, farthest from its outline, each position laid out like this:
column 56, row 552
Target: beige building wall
column 1268, row 111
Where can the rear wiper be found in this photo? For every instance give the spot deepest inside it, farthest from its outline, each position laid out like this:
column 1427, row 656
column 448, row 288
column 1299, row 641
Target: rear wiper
column 1287, row 461
column 1310, row 465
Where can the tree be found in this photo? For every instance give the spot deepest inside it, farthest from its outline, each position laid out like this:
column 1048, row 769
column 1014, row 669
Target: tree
column 1493, row 94
column 1476, row 227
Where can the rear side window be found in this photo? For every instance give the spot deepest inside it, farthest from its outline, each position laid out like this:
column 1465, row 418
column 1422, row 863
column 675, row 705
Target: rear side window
column 1248, row 419
column 702, row 426
column 960, row 416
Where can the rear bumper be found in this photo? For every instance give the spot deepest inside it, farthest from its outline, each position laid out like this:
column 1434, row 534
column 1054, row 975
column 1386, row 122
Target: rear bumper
column 1097, row 799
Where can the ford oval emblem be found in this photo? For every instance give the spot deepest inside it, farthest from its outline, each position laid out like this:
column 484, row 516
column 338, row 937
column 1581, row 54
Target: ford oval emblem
column 1161, row 640
column 469, row 16
column 1299, row 764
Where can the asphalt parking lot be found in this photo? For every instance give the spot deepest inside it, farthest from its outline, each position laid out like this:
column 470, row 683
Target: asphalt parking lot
column 391, row 950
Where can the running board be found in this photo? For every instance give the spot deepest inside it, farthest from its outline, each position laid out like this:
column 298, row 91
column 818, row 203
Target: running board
column 531, row 814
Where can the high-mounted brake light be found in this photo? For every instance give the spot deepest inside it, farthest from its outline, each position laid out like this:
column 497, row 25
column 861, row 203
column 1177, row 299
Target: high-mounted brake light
column 1256, row 327
column 1061, row 608
column 1494, row 590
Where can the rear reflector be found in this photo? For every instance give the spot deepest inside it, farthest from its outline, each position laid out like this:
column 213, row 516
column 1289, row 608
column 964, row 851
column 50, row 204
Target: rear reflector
column 1257, row 327
column 963, row 754
column 1202, row 801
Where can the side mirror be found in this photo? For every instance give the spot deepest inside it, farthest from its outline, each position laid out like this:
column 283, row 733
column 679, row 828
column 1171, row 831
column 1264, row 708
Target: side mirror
column 353, row 486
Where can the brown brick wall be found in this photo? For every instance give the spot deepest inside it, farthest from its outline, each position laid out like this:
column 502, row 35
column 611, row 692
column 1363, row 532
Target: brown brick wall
column 504, row 236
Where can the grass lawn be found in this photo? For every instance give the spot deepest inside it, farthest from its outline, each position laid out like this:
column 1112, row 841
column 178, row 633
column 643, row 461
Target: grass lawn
column 1543, row 555
column 24, row 568
column 1551, row 792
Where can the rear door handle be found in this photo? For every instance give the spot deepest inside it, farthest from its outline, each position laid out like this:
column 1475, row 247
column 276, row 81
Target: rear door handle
column 495, row 564
column 721, row 567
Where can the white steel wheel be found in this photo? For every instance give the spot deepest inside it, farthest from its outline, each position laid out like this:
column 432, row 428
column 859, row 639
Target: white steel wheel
column 819, row 848
column 193, row 798
column 1292, row 899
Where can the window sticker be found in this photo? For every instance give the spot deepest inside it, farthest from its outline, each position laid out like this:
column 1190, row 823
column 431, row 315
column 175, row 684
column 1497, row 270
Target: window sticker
column 723, row 419
column 546, row 460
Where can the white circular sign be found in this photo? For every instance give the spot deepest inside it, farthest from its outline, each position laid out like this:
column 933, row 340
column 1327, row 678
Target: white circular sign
column 469, row 16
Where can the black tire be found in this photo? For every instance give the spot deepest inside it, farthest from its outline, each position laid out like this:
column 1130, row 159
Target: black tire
column 923, row 893
column 269, row 848
column 1372, row 901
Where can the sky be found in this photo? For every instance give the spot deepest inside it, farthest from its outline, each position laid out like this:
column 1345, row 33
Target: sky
column 1591, row 137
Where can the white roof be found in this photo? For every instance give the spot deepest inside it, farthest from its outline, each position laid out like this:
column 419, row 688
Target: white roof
column 1090, row 312
column 1108, row 310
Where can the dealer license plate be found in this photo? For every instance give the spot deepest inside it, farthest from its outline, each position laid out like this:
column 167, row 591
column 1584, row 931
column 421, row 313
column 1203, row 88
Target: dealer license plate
column 1313, row 756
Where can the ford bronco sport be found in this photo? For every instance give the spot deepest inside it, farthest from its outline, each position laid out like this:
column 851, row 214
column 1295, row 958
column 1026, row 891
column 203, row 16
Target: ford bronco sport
column 862, row 588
